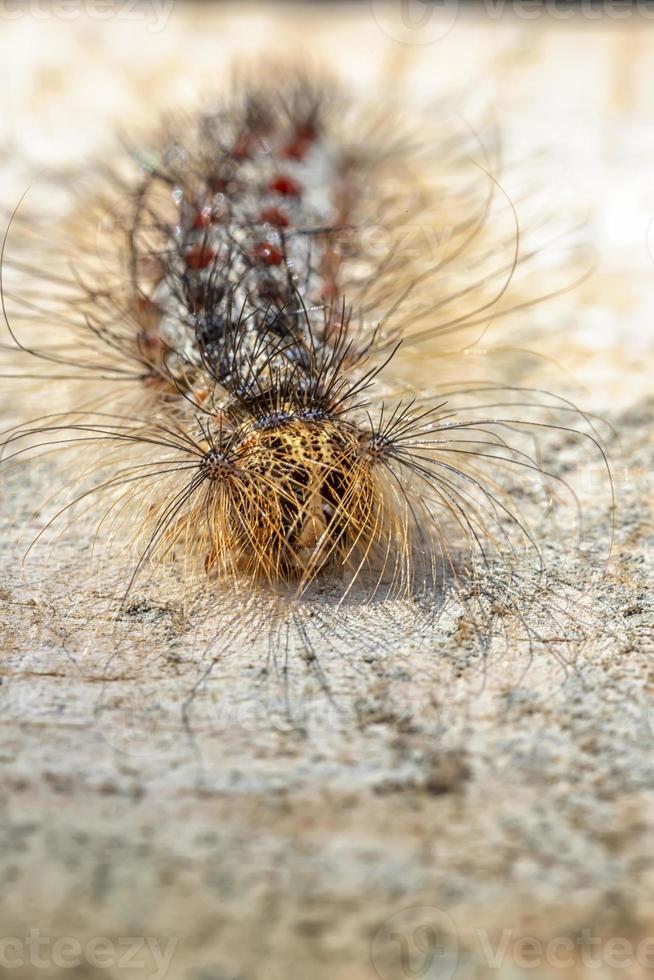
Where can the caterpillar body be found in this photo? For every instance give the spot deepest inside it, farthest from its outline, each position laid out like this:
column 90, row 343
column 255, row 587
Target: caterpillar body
column 236, row 347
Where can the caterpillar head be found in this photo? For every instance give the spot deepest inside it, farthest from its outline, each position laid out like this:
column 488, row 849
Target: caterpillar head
column 297, row 494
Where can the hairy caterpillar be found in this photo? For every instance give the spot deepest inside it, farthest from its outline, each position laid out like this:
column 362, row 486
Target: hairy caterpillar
column 233, row 352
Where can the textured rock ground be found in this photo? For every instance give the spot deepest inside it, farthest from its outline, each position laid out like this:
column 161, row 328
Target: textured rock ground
column 163, row 779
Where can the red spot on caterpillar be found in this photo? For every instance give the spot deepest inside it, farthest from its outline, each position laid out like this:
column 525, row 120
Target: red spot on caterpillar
column 242, row 148
column 285, row 185
column 267, row 254
column 296, row 149
column 274, row 216
column 203, row 218
column 199, row 257
column 307, row 131
column 217, row 185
